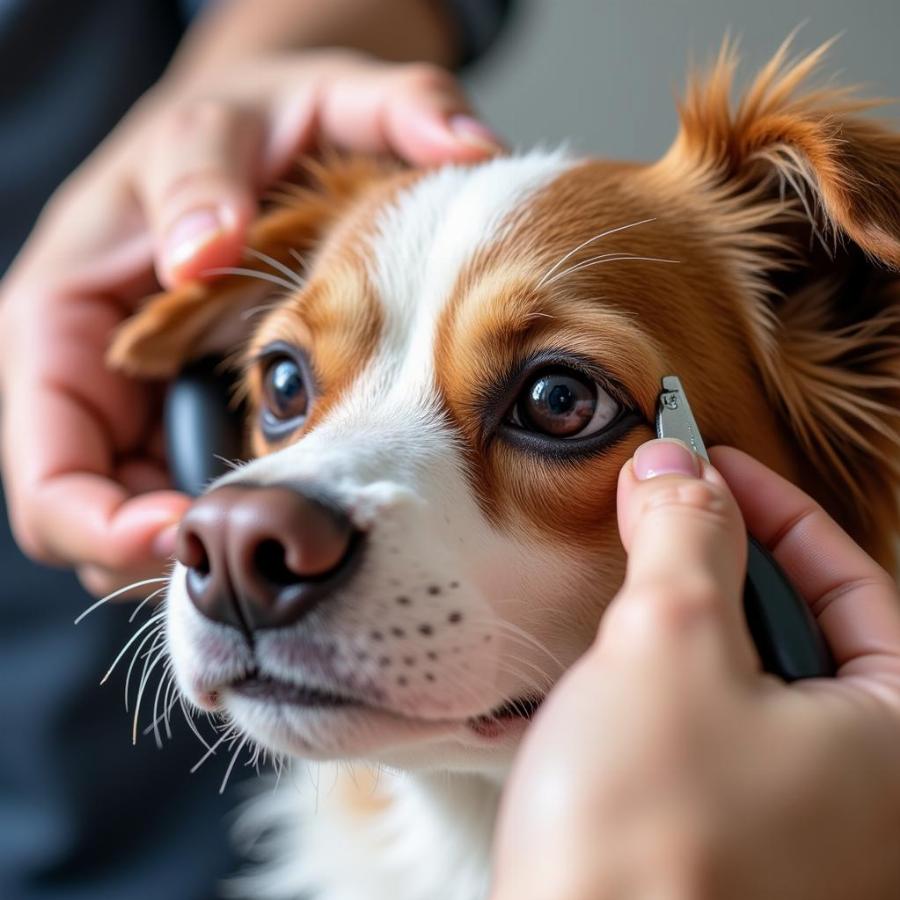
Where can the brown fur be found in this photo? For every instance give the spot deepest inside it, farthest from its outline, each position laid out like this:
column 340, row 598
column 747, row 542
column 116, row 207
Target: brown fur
column 788, row 347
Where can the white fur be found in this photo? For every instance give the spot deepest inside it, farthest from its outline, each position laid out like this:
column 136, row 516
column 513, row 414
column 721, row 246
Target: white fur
column 387, row 455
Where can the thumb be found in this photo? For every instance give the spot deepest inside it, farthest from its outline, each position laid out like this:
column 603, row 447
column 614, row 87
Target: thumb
column 687, row 546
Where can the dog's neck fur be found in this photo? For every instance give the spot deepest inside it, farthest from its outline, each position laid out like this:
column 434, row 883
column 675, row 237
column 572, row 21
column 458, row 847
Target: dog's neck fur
column 373, row 836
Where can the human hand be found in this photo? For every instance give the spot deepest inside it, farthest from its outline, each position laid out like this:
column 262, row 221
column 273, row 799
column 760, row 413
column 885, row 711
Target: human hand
column 172, row 192
column 664, row 764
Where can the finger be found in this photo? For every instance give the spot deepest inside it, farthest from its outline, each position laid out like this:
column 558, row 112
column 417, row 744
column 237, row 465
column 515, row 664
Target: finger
column 66, row 419
column 90, row 519
column 686, row 547
column 124, row 587
column 142, row 476
column 855, row 601
column 417, row 112
column 199, row 187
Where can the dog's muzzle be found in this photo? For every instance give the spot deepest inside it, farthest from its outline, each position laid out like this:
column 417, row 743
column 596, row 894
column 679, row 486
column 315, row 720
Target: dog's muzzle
column 264, row 557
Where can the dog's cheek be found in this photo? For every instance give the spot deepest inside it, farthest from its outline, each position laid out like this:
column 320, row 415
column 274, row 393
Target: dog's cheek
column 571, row 503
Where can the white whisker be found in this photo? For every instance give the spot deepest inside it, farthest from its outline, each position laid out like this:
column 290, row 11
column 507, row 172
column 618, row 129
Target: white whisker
column 253, row 273
column 155, row 620
column 234, row 757
column 586, row 243
column 145, row 601
column 600, row 260
column 232, row 464
column 156, row 636
column 291, row 275
column 118, row 593
column 212, row 750
column 145, row 677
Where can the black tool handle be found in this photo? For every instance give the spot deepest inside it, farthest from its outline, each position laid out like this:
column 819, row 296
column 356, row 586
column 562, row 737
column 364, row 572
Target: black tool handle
column 202, row 425
column 786, row 634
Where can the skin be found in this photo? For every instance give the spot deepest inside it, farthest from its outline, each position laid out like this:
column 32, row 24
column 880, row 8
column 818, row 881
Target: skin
column 166, row 197
column 721, row 781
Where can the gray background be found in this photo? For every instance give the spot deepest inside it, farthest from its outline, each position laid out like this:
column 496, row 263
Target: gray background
column 602, row 74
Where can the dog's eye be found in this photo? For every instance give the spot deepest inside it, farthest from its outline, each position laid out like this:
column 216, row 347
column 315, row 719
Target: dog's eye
column 563, row 403
column 284, row 389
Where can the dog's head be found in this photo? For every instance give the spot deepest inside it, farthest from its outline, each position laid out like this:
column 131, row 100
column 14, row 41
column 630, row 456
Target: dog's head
column 440, row 405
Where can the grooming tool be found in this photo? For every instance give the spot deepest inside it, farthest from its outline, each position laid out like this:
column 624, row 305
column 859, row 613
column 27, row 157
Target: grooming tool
column 784, row 630
column 203, row 426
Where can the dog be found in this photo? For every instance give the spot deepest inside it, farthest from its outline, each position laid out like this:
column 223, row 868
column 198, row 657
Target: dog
column 444, row 372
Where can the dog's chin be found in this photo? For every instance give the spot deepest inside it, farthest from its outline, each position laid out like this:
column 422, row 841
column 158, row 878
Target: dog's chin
column 318, row 726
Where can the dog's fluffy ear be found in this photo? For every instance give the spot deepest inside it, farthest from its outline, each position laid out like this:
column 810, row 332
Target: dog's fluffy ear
column 802, row 195
column 215, row 316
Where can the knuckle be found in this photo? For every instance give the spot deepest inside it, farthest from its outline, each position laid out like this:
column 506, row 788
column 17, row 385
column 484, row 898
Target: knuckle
column 201, row 115
column 696, row 496
column 425, row 78
column 30, row 540
column 670, row 609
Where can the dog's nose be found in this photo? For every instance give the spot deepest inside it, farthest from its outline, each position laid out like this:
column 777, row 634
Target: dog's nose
column 263, row 557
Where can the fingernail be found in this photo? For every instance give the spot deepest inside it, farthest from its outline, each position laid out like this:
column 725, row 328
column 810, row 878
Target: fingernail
column 191, row 232
column 664, row 456
column 164, row 542
column 475, row 133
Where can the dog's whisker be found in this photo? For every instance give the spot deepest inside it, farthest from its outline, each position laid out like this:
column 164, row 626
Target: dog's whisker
column 145, row 601
column 186, row 713
column 163, row 681
column 254, row 273
column 233, row 464
column 169, row 702
column 248, row 314
column 288, row 272
column 160, row 718
column 296, row 254
column 508, row 629
column 234, row 758
column 597, row 261
column 212, row 749
column 155, row 637
column 145, row 677
column 155, row 622
column 117, row 593
column 587, row 243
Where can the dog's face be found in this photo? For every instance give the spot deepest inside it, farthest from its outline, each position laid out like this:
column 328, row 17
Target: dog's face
column 426, row 537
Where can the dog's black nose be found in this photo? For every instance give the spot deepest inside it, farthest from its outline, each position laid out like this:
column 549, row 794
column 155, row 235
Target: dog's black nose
column 263, row 557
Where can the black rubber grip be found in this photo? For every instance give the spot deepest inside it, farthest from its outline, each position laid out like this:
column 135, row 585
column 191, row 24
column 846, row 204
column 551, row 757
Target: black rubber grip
column 784, row 630
column 203, row 426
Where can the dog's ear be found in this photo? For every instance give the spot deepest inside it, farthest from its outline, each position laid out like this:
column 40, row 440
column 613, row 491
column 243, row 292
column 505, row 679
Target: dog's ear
column 214, row 316
column 801, row 192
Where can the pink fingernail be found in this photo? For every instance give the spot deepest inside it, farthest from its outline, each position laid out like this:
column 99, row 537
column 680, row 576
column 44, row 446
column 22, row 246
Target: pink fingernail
column 475, row 133
column 191, row 232
column 664, row 457
column 164, row 542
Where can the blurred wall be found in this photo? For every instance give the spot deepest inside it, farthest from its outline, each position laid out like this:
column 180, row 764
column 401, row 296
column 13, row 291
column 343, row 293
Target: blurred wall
column 602, row 74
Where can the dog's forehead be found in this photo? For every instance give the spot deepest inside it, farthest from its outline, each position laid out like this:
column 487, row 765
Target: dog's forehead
column 429, row 233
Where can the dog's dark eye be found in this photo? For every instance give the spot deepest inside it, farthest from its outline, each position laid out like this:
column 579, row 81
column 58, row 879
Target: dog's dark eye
column 563, row 403
column 284, row 389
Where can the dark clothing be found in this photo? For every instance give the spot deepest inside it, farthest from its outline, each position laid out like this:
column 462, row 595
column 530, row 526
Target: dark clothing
column 83, row 814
